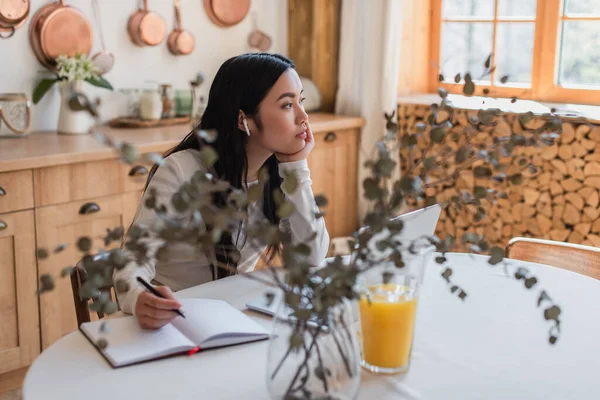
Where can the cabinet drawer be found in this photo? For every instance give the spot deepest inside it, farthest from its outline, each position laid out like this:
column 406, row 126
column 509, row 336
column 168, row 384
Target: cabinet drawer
column 65, row 224
column 65, row 183
column 135, row 177
column 16, row 191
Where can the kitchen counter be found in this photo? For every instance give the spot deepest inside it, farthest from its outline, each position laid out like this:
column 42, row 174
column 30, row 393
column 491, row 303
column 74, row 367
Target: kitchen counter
column 42, row 149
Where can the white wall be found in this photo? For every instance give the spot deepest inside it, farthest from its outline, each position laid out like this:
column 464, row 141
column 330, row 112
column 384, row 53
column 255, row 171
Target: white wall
column 20, row 71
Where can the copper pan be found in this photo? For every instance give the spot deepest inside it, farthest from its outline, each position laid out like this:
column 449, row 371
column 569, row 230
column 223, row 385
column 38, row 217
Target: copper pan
column 226, row 13
column 146, row 28
column 57, row 29
column 13, row 14
column 180, row 41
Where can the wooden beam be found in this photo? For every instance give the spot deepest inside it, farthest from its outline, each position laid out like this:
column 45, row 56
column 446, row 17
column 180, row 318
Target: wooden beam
column 313, row 44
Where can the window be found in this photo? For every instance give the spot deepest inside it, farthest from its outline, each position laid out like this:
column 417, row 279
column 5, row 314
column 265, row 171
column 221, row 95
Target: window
column 548, row 49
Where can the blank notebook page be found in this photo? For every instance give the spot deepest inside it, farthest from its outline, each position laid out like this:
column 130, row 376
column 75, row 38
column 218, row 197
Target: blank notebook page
column 129, row 343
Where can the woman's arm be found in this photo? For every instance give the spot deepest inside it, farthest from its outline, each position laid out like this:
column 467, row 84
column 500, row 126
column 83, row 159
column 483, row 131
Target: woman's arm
column 165, row 182
column 303, row 223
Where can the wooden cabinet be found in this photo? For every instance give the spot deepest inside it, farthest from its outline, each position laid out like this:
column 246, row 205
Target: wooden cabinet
column 333, row 166
column 16, row 191
column 19, row 326
column 65, row 224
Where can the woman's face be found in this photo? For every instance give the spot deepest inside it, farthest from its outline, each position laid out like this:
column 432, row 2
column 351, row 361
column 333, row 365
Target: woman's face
column 282, row 120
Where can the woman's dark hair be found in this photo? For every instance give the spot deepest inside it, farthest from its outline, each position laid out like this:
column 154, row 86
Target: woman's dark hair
column 241, row 83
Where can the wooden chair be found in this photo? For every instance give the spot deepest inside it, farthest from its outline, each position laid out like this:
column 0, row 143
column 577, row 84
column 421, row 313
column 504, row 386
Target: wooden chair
column 578, row 258
column 78, row 277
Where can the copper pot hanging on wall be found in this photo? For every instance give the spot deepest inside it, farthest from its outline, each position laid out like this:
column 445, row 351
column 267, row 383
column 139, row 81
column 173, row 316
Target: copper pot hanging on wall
column 57, row 29
column 180, row 41
column 13, row 14
column 146, row 28
column 226, row 13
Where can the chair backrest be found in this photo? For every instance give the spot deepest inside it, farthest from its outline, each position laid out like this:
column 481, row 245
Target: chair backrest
column 578, row 258
column 82, row 310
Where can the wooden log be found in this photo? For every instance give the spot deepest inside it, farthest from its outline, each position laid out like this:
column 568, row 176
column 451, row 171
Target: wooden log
column 592, row 169
column 530, row 195
column 575, row 237
column 559, row 234
column 594, row 239
column 560, row 166
column 593, row 200
column 545, row 177
column 581, row 131
column 571, row 215
column 545, row 198
column 589, row 145
column 560, row 199
column 595, row 134
column 583, row 228
column 517, row 212
column 592, row 212
column 507, row 231
column 532, row 227
column 568, row 133
column 578, row 174
column 557, row 212
column 570, row 185
column 578, row 150
column 544, row 223
column 576, row 199
column 592, row 157
column 565, row 152
column 593, row 181
column 546, row 209
column 575, row 164
column 550, row 152
column 556, row 188
column 596, row 226
column 528, row 211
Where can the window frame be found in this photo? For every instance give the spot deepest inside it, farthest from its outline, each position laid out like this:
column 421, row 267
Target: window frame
column 544, row 82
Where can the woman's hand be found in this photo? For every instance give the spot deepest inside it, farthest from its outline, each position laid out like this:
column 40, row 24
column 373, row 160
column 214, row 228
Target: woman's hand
column 153, row 312
column 302, row 154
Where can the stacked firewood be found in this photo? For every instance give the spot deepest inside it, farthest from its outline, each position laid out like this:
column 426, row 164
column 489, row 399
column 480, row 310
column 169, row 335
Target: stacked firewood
column 558, row 200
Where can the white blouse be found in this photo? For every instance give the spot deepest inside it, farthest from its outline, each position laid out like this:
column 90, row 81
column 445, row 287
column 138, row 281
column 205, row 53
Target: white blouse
column 191, row 269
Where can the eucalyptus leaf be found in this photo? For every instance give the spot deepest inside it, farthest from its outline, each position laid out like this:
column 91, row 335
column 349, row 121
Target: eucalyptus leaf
column 42, row 88
column 208, row 156
column 496, row 255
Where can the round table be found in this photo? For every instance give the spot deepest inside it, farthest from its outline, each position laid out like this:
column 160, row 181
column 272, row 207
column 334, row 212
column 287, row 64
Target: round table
column 492, row 345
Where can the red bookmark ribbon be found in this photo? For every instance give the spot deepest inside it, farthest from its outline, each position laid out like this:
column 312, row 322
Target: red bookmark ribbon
column 193, row 351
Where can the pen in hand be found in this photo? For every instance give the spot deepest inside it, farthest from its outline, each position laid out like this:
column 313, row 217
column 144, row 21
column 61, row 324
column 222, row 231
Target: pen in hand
column 156, row 293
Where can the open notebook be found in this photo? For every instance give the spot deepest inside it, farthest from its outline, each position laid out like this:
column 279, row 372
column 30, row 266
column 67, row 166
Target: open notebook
column 207, row 324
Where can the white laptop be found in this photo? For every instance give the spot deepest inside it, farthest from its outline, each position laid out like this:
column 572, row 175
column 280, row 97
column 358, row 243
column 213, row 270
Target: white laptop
column 417, row 224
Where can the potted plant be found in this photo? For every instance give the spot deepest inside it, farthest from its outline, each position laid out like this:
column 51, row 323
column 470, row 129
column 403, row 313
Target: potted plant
column 70, row 73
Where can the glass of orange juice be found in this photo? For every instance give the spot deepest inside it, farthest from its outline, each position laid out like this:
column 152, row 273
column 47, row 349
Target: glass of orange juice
column 387, row 309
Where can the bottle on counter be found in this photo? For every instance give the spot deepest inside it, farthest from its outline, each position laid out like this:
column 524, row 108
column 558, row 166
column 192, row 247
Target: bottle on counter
column 168, row 101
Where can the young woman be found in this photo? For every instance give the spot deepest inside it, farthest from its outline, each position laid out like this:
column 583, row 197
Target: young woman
column 255, row 105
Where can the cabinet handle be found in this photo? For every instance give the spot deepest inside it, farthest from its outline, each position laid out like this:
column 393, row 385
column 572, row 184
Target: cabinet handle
column 3, row 225
column 138, row 170
column 2, row 191
column 89, row 208
column 330, row 137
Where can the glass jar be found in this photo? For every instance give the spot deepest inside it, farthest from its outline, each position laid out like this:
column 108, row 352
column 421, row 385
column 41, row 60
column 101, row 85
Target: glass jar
column 151, row 105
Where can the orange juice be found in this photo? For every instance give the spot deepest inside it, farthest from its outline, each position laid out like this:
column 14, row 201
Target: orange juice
column 387, row 321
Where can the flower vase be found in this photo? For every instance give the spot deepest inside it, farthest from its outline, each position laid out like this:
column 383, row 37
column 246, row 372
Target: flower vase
column 72, row 122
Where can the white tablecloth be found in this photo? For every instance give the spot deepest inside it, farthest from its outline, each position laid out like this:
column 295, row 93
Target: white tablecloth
column 491, row 346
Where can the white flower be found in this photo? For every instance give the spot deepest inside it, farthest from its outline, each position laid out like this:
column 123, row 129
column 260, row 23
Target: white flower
column 76, row 68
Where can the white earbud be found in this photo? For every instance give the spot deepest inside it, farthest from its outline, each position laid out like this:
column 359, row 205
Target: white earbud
column 245, row 122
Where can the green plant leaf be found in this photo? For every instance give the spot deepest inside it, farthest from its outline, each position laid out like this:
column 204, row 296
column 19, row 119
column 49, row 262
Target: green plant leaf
column 497, row 255
column 480, row 192
column 209, row 156
column 42, row 88
column 99, row 82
